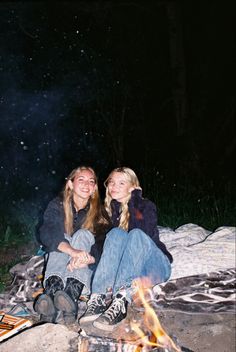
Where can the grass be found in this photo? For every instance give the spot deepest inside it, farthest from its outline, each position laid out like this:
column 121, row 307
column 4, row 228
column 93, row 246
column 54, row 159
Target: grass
column 13, row 239
column 208, row 205
column 5, row 276
column 10, row 255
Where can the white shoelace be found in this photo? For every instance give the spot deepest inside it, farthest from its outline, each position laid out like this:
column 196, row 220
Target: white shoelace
column 94, row 302
column 117, row 306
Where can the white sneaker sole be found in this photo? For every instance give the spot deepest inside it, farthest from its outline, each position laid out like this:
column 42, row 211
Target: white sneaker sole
column 106, row 327
column 89, row 318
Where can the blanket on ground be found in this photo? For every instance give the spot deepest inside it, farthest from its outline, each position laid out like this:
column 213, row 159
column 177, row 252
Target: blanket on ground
column 202, row 272
column 198, row 251
column 208, row 293
column 26, row 284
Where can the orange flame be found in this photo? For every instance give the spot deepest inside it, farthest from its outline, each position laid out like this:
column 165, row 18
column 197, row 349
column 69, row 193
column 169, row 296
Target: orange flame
column 159, row 337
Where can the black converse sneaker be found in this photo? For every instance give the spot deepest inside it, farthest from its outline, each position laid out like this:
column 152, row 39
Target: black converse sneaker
column 96, row 306
column 116, row 312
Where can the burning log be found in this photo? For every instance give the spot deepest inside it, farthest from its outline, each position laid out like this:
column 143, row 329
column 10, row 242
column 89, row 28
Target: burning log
column 101, row 344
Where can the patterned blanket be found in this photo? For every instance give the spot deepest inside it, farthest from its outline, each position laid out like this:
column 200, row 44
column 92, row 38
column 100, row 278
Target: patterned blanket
column 202, row 279
column 26, row 284
column 208, row 293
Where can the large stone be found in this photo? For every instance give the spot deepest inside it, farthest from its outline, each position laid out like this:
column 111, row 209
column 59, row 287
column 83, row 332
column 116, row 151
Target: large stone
column 194, row 332
column 42, row 338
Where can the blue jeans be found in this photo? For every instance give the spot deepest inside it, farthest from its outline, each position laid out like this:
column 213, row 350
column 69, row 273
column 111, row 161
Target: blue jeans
column 57, row 261
column 128, row 256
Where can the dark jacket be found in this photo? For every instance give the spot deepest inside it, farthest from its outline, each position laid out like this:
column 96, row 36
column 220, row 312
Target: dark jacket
column 52, row 230
column 143, row 215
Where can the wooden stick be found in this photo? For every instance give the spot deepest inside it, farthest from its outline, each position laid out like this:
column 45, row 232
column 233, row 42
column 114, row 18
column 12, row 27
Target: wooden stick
column 6, row 326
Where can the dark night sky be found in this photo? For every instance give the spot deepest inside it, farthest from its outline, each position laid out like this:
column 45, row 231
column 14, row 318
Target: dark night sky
column 71, row 71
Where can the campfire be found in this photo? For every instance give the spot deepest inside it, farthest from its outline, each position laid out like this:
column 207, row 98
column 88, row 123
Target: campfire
column 143, row 334
column 151, row 333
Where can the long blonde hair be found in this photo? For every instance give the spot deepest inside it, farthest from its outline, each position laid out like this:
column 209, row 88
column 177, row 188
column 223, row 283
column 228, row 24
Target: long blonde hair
column 94, row 213
column 134, row 182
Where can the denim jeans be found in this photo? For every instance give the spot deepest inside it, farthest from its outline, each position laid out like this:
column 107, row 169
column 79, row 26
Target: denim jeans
column 57, row 261
column 127, row 256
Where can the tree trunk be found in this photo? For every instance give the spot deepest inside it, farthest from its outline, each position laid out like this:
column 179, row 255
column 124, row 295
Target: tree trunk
column 177, row 62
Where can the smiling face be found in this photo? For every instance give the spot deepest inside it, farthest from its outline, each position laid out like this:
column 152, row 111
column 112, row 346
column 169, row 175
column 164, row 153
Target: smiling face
column 83, row 185
column 119, row 186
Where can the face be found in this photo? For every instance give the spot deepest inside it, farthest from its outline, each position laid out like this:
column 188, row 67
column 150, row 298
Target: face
column 83, row 185
column 119, row 187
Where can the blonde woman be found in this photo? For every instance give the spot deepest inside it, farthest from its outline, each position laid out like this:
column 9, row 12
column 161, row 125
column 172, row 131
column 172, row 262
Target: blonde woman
column 72, row 234
column 132, row 250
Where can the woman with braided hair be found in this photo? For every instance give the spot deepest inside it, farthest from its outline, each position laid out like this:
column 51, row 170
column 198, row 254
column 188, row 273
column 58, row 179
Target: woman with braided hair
column 132, row 250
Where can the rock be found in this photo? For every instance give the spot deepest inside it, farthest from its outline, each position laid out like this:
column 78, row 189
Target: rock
column 201, row 332
column 193, row 332
column 45, row 337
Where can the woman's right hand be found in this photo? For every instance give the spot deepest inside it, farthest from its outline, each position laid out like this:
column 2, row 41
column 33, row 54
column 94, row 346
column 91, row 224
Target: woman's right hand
column 79, row 259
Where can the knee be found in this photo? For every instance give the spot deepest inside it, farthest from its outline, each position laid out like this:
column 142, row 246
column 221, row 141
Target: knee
column 116, row 234
column 137, row 236
column 83, row 236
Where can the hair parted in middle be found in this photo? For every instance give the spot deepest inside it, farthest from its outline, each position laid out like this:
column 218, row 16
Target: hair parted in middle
column 94, row 213
column 132, row 178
